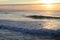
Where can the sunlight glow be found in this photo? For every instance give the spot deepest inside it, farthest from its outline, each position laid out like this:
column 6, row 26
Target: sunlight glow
column 47, row 4
column 47, row 1
column 51, row 25
column 48, row 7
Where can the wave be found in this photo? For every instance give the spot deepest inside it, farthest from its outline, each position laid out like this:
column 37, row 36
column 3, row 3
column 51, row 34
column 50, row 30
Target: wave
column 32, row 31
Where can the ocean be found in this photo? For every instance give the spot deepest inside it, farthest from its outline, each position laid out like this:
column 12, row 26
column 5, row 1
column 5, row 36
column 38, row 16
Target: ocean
column 15, row 25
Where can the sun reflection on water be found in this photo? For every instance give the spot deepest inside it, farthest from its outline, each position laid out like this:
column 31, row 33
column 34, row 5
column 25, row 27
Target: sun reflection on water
column 53, row 24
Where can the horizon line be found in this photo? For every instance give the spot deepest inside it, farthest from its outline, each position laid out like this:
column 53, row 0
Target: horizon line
column 27, row 4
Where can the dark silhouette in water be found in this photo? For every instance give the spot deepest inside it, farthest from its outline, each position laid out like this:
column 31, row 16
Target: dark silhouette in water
column 43, row 17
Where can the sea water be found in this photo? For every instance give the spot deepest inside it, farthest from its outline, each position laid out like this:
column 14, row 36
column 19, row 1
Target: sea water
column 11, row 21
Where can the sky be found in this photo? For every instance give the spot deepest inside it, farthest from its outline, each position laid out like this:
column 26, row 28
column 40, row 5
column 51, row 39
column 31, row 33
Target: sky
column 23, row 0
column 34, row 7
column 17, row 0
column 26, row 1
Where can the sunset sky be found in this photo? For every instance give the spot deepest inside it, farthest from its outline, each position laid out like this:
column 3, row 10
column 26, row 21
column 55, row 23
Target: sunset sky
column 28, row 1
column 47, row 4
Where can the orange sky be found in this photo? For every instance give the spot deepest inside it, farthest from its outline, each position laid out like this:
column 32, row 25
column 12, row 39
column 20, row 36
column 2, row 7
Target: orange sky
column 49, row 4
column 32, row 7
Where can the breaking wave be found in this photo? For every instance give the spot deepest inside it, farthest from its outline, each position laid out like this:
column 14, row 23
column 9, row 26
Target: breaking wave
column 32, row 31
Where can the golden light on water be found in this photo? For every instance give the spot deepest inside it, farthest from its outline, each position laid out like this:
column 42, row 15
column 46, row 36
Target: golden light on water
column 51, row 25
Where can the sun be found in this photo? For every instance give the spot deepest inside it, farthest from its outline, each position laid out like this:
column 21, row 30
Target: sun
column 47, row 4
column 47, row 7
column 47, row 1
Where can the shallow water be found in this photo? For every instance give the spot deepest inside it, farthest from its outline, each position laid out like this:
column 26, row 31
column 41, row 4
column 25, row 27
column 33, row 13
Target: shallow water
column 18, row 19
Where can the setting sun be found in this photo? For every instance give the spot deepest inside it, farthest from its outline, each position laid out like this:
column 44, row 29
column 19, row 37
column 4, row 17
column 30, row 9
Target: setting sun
column 48, row 4
column 47, row 1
